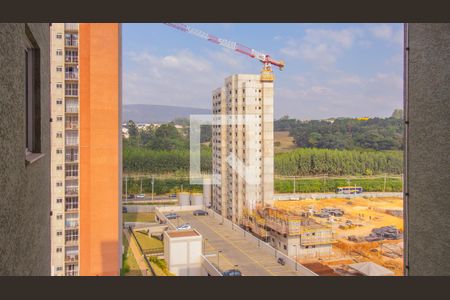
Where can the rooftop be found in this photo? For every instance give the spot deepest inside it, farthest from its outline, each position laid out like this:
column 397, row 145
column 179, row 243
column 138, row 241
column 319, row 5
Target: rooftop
column 182, row 233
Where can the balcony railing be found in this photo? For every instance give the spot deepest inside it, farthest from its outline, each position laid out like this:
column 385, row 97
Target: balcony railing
column 72, row 109
column 71, row 208
column 71, row 76
column 71, row 258
column 71, row 43
column 72, row 159
column 72, row 125
column 71, row 26
column 71, row 190
column 71, row 93
column 71, row 273
column 71, row 225
column 71, row 242
column 71, row 59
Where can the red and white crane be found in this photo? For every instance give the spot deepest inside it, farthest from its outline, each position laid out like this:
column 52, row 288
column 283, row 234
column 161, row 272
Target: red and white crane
column 266, row 73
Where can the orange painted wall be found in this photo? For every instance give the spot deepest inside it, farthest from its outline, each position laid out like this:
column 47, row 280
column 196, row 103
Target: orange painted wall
column 100, row 148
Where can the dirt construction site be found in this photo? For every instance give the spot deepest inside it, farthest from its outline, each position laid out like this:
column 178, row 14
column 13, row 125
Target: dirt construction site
column 366, row 229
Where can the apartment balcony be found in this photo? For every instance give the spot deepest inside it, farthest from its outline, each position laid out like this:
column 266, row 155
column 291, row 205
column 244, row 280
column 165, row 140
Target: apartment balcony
column 71, row 273
column 71, row 43
column 72, row 144
column 71, row 126
column 71, row 59
column 71, row 109
column 71, row 76
column 71, row 190
column 71, row 176
column 71, row 159
column 72, row 225
column 71, row 27
column 71, row 94
column 71, row 209
column 71, row 259
column 71, row 242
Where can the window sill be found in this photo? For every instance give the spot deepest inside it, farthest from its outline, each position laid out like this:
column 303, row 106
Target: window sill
column 31, row 158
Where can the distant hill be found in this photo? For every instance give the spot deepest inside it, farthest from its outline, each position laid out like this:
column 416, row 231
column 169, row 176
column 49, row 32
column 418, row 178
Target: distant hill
column 149, row 113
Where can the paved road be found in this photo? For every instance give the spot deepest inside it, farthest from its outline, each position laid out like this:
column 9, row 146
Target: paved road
column 236, row 250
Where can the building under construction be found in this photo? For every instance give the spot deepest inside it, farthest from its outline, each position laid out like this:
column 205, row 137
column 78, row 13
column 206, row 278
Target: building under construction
column 295, row 235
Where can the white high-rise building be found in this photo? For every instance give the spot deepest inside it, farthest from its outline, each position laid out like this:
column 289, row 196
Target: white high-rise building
column 65, row 149
column 246, row 142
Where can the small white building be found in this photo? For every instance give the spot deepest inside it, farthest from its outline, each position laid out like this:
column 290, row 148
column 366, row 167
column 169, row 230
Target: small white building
column 182, row 252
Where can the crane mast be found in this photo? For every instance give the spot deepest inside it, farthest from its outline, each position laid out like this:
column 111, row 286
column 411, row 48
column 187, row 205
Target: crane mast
column 266, row 73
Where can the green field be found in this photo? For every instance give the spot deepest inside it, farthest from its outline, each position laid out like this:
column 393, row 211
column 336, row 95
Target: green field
column 149, row 244
column 139, row 217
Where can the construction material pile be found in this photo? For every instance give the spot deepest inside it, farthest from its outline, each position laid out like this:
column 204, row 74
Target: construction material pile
column 384, row 233
column 327, row 212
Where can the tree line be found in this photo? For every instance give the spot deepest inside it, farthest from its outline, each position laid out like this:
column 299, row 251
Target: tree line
column 165, row 149
column 346, row 133
column 313, row 161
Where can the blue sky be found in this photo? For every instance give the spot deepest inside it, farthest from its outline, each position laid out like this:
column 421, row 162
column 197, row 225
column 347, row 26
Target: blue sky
column 332, row 70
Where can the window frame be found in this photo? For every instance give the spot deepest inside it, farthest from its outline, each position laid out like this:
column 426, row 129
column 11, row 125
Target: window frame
column 32, row 109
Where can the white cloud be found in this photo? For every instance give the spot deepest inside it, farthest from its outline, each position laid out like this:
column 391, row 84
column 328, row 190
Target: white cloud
column 180, row 78
column 342, row 94
column 321, row 46
column 387, row 32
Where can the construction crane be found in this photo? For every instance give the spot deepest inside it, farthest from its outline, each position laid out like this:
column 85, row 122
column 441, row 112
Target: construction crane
column 266, row 73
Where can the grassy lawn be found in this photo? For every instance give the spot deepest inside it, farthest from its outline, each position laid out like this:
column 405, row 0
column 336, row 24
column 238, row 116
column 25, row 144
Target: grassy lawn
column 130, row 266
column 148, row 243
column 139, row 217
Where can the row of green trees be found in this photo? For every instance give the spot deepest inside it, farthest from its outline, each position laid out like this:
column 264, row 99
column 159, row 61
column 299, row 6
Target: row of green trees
column 161, row 185
column 142, row 160
column 299, row 162
column 312, row 161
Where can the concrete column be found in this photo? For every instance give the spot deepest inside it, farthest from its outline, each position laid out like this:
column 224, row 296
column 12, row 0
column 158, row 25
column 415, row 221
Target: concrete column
column 427, row 153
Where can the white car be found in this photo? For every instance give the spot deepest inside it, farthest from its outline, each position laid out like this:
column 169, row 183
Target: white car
column 184, row 227
column 140, row 196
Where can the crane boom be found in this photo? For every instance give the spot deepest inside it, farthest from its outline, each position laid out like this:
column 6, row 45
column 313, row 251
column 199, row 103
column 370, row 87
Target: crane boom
column 264, row 58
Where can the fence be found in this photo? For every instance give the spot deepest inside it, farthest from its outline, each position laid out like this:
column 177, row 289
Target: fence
column 209, row 267
column 300, row 196
column 263, row 245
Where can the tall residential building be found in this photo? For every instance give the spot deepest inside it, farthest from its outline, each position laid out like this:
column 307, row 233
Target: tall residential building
column 86, row 149
column 245, row 142
column 24, row 149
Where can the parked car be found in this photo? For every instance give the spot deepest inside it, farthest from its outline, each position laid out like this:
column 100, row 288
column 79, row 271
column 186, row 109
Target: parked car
column 172, row 195
column 124, row 209
column 200, row 212
column 172, row 216
column 185, row 226
column 131, row 196
column 281, row 261
column 232, row 272
column 140, row 196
